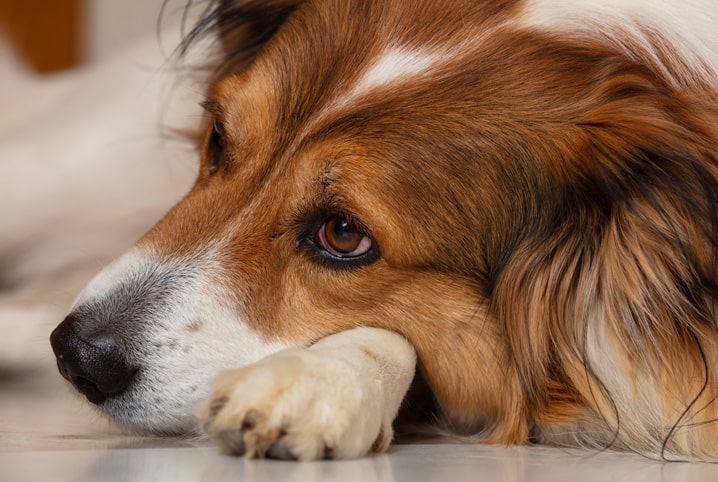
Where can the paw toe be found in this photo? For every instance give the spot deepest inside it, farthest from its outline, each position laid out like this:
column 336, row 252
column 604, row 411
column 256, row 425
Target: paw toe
column 279, row 450
column 250, row 420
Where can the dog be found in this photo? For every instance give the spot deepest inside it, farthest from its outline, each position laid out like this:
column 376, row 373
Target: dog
column 498, row 215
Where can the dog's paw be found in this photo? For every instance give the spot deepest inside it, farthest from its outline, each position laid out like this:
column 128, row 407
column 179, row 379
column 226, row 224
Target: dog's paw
column 297, row 405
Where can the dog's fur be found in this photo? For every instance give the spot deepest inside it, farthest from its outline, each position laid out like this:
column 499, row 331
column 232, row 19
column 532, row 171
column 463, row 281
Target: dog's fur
column 533, row 185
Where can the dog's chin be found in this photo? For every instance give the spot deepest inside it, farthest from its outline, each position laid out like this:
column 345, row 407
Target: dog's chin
column 149, row 415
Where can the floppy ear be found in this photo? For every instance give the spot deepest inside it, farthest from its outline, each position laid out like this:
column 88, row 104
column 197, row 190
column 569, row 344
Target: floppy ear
column 243, row 27
column 616, row 294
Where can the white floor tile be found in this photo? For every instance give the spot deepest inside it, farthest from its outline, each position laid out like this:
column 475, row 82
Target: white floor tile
column 47, row 434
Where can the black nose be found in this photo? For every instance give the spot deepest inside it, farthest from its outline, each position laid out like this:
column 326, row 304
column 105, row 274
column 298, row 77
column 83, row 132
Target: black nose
column 90, row 358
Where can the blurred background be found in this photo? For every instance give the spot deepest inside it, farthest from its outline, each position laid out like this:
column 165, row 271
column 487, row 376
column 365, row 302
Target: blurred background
column 53, row 35
column 94, row 112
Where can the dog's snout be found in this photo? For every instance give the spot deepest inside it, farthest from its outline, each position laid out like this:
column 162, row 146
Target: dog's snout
column 90, row 359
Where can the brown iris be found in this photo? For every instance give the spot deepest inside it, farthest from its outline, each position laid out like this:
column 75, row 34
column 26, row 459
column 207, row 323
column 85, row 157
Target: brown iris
column 342, row 238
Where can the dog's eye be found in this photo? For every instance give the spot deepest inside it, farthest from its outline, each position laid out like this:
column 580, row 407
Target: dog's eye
column 217, row 146
column 341, row 238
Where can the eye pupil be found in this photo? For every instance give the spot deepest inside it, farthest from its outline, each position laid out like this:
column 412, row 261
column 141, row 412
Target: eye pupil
column 342, row 235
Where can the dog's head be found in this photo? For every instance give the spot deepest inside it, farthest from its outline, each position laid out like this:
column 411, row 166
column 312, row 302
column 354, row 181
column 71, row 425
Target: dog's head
column 415, row 166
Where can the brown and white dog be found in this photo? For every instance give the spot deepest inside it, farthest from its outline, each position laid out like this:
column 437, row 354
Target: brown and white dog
column 518, row 197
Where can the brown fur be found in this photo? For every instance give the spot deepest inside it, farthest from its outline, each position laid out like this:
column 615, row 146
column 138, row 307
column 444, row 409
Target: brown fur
column 545, row 210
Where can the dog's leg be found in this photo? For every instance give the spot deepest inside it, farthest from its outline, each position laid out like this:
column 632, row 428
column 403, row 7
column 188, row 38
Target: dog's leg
column 335, row 399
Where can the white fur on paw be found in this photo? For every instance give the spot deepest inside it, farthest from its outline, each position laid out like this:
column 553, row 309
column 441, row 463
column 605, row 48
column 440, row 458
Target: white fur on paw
column 297, row 405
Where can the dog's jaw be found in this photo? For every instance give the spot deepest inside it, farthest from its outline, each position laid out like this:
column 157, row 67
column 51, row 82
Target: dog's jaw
column 177, row 327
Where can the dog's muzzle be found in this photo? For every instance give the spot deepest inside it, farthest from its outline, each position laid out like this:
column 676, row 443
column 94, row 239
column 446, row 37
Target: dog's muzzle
column 90, row 358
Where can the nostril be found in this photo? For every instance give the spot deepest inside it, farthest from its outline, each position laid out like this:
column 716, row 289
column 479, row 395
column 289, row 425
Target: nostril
column 89, row 389
column 91, row 359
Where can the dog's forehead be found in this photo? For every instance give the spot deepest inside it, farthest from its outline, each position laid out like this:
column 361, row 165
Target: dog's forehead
column 329, row 61
column 347, row 95
column 410, row 110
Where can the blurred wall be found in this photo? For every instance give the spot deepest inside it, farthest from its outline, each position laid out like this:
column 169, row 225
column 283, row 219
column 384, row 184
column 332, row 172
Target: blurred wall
column 52, row 35
column 111, row 25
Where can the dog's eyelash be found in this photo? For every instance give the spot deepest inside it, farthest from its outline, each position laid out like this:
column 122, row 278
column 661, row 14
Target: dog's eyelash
column 213, row 108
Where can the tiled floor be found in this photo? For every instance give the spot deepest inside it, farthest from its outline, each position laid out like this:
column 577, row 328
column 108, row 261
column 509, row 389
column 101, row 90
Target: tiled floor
column 46, row 434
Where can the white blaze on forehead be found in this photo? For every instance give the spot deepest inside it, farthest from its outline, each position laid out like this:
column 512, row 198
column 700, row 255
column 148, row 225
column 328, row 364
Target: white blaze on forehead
column 397, row 64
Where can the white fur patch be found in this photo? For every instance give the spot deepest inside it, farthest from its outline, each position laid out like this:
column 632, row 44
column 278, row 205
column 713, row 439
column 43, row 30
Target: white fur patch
column 396, row 64
column 108, row 278
column 690, row 27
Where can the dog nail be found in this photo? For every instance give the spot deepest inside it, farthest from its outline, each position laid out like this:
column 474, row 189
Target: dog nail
column 279, row 450
column 234, row 440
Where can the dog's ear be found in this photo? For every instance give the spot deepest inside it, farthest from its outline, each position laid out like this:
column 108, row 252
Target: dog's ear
column 246, row 26
column 243, row 27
